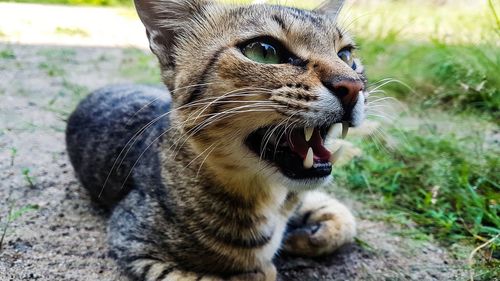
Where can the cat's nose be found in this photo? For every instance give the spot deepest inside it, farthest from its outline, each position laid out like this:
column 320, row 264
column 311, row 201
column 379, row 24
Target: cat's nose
column 347, row 90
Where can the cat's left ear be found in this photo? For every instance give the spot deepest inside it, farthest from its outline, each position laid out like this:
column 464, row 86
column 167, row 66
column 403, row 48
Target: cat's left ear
column 330, row 7
column 165, row 21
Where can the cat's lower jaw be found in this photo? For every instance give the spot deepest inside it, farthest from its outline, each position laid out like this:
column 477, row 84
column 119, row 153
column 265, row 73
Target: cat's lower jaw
column 301, row 185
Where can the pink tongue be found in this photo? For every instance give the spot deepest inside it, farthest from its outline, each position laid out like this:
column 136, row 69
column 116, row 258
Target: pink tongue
column 299, row 145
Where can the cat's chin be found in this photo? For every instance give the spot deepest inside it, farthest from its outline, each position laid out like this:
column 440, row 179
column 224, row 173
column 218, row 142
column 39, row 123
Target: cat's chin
column 299, row 185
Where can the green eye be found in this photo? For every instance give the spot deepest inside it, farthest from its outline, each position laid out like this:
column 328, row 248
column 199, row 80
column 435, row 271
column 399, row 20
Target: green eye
column 346, row 56
column 262, row 52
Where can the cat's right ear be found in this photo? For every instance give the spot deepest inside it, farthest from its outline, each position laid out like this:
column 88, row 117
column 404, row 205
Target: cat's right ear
column 330, row 7
column 165, row 20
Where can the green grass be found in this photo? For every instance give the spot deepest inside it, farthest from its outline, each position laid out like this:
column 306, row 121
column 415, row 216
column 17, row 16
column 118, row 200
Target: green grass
column 71, row 31
column 51, row 68
column 58, row 55
column 13, row 154
column 140, row 66
column 7, row 53
column 448, row 184
column 14, row 214
column 11, row 217
column 447, row 181
column 449, row 57
column 457, row 78
column 30, row 180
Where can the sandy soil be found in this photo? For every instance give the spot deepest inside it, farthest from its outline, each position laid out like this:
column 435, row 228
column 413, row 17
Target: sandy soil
column 62, row 235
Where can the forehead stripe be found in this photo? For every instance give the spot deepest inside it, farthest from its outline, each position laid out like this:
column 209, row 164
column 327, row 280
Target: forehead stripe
column 280, row 22
column 305, row 16
column 341, row 35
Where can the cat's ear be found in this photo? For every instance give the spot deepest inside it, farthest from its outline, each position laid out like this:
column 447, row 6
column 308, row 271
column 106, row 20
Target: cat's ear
column 165, row 20
column 330, row 7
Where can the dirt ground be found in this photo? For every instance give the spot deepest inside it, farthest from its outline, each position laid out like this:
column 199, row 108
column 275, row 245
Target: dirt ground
column 56, row 232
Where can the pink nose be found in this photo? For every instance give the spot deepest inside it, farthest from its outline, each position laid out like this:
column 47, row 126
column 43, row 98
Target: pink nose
column 347, row 90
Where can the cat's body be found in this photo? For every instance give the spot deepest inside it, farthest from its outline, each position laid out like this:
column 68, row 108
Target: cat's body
column 194, row 191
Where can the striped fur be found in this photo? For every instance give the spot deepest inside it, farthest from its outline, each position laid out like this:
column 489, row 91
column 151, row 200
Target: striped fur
column 189, row 200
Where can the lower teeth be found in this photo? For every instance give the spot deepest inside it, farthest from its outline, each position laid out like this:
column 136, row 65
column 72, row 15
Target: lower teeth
column 309, row 160
column 321, row 165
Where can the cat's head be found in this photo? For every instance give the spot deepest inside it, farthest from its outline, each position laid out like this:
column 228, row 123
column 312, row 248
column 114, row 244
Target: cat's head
column 257, row 88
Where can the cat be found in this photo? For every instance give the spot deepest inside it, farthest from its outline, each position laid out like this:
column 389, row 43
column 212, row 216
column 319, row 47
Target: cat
column 212, row 176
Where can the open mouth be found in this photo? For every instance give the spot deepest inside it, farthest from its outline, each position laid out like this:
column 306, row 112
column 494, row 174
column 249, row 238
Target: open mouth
column 299, row 153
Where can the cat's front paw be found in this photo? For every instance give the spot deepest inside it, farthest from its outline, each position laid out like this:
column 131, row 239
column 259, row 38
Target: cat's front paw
column 319, row 227
column 268, row 273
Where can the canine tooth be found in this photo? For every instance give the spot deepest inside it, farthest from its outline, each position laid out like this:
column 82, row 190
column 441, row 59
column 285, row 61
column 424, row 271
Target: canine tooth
column 335, row 131
column 336, row 155
column 309, row 161
column 308, row 132
column 345, row 129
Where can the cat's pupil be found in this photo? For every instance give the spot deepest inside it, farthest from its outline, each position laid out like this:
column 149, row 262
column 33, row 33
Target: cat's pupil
column 267, row 49
column 346, row 56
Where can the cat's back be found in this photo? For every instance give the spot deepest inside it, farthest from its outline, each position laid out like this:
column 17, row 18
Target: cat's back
column 113, row 131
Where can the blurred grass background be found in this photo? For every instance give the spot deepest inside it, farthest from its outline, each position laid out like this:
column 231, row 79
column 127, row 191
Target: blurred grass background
column 434, row 163
column 439, row 167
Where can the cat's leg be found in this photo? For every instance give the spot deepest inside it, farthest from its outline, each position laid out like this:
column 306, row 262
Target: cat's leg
column 141, row 256
column 320, row 225
column 139, row 247
column 145, row 268
column 153, row 270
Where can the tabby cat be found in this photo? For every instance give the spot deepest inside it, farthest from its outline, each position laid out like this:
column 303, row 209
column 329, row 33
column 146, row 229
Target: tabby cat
column 210, row 179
